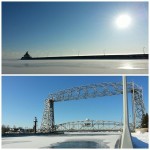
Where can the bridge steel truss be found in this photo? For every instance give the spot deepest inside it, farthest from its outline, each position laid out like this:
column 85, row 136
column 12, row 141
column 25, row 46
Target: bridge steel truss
column 91, row 125
column 93, row 91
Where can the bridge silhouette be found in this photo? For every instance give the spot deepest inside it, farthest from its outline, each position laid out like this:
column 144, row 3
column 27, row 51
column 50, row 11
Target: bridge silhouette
column 93, row 91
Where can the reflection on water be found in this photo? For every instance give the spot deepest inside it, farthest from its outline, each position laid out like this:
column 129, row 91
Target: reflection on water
column 130, row 66
column 79, row 144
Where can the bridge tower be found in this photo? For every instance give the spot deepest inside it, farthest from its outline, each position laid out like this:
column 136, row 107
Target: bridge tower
column 138, row 108
column 48, row 123
column 92, row 91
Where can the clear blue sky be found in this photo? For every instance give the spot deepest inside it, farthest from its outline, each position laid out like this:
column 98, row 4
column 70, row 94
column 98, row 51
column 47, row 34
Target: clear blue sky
column 69, row 28
column 23, row 98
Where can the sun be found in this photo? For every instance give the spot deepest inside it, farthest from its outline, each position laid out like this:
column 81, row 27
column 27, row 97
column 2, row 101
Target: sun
column 123, row 21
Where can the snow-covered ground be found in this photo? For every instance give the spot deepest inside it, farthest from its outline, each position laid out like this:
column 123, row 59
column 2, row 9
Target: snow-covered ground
column 75, row 140
column 140, row 140
column 74, row 66
column 61, row 141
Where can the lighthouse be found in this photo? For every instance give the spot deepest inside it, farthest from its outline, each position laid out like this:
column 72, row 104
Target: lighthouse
column 26, row 56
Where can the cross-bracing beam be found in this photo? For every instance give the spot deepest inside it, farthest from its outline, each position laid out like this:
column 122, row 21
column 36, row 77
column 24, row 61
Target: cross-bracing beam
column 93, row 91
column 91, row 125
column 48, row 124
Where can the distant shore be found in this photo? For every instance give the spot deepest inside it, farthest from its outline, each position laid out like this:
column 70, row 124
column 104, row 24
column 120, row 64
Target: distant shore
column 130, row 56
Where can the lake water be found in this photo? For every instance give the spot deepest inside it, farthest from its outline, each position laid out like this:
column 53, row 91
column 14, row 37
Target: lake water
column 80, row 144
column 75, row 66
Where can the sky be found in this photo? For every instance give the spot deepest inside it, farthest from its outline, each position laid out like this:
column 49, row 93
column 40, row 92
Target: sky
column 72, row 28
column 23, row 98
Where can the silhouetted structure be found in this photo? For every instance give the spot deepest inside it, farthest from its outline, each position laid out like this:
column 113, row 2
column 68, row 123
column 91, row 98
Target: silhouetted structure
column 26, row 56
column 35, row 125
column 128, row 56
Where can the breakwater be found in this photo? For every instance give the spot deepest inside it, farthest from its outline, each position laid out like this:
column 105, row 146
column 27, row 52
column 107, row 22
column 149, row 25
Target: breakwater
column 130, row 56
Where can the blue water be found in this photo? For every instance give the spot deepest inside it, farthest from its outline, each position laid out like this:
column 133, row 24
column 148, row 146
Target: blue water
column 80, row 144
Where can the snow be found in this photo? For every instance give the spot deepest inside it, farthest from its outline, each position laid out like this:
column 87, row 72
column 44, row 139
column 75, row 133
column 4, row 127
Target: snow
column 140, row 140
column 76, row 140
column 61, row 141
column 74, row 66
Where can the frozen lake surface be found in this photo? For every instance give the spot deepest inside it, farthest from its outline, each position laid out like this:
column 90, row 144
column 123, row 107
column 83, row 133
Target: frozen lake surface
column 75, row 66
column 89, row 140
column 76, row 140
column 61, row 141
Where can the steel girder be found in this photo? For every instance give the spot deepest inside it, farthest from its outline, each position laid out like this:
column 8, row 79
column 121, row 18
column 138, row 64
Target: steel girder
column 92, row 91
column 138, row 105
column 48, row 124
column 89, row 91
column 91, row 125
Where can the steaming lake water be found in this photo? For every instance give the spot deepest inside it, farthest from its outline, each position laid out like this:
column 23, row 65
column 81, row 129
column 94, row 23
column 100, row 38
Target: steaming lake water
column 74, row 66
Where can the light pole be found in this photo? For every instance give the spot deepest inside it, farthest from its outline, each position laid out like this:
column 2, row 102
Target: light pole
column 126, row 141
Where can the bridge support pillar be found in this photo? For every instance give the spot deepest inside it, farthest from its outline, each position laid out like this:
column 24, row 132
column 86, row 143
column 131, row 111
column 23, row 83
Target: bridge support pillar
column 51, row 119
column 133, row 107
column 126, row 141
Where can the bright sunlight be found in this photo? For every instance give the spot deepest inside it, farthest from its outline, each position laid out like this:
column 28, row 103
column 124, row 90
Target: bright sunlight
column 123, row 21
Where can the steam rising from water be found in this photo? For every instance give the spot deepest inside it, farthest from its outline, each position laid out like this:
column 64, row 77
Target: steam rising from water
column 74, row 66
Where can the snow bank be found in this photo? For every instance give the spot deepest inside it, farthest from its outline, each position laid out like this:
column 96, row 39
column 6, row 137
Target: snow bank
column 140, row 140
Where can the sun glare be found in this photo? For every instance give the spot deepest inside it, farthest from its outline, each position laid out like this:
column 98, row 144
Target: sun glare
column 123, row 21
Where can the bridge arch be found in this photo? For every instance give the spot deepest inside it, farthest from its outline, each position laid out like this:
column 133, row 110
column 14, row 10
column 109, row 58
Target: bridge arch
column 93, row 91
